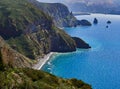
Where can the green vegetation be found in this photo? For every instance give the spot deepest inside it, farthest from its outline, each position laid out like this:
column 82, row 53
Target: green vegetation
column 29, row 31
column 19, row 12
column 33, row 79
column 32, row 45
column 16, row 15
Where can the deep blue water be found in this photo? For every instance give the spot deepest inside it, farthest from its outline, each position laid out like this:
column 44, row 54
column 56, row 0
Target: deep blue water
column 98, row 66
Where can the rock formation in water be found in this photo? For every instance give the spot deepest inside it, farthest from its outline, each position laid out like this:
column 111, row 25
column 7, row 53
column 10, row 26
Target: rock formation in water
column 107, row 26
column 108, row 22
column 95, row 21
column 84, row 23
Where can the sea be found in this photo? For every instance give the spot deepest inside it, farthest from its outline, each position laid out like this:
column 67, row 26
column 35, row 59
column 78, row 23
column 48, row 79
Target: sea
column 98, row 66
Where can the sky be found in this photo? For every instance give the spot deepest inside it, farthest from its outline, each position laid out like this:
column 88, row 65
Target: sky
column 74, row 1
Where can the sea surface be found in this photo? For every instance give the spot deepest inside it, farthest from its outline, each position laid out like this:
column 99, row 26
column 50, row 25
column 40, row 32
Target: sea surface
column 98, row 66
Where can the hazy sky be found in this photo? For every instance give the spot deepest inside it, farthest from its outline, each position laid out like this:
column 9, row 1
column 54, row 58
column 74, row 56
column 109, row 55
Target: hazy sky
column 72, row 1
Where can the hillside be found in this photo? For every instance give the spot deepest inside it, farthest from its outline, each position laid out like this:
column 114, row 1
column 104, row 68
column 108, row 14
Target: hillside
column 14, row 73
column 33, row 79
column 31, row 32
column 27, row 33
column 60, row 14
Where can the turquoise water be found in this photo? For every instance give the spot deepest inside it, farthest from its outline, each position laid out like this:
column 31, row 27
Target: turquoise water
column 98, row 66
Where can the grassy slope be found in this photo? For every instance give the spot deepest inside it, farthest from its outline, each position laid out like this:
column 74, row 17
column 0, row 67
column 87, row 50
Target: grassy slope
column 33, row 79
column 19, row 13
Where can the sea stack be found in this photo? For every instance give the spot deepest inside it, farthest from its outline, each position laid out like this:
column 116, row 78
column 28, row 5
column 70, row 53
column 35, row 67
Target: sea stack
column 108, row 22
column 95, row 21
column 106, row 26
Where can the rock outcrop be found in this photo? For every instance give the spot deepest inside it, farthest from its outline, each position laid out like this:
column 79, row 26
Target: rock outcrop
column 95, row 21
column 80, row 43
column 84, row 23
column 61, row 42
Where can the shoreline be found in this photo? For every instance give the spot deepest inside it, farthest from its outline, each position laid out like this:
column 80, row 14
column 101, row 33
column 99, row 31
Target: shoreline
column 41, row 62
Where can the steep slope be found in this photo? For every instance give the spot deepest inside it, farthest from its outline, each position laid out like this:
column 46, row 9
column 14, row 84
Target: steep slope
column 11, row 57
column 30, row 31
column 60, row 14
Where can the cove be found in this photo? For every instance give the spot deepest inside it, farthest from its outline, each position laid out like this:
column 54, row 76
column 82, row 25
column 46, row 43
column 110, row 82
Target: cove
column 98, row 66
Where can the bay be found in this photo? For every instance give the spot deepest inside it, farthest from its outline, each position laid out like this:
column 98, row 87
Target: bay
column 98, row 66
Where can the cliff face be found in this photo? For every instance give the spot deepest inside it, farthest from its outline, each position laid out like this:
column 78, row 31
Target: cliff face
column 60, row 14
column 61, row 42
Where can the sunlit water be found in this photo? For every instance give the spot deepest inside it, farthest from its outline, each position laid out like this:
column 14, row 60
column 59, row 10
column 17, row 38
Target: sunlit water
column 98, row 66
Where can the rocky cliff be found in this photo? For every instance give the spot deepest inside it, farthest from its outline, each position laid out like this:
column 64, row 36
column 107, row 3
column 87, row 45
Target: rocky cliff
column 62, row 17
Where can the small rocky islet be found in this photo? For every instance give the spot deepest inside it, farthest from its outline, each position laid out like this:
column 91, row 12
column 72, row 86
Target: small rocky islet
column 95, row 21
column 109, row 22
